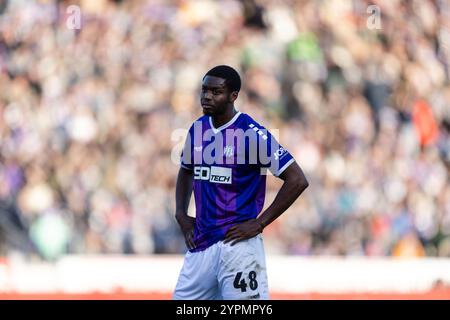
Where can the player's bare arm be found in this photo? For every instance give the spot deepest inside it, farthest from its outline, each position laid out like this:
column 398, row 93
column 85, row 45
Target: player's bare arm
column 294, row 184
column 183, row 195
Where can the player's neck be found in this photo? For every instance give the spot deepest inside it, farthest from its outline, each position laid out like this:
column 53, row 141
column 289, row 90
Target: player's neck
column 220, row 120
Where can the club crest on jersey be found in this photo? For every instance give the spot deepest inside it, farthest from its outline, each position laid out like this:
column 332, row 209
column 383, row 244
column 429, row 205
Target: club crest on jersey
column 228, row 151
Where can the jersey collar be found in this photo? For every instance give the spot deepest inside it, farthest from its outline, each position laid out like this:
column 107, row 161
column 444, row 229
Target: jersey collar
column 226, row 125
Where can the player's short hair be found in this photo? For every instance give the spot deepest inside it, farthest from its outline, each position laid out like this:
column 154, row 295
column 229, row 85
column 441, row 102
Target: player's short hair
column 231, row 76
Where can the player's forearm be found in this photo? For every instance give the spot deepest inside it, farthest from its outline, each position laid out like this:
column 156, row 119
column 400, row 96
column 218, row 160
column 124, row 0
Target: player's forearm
column 183, row 191
column 288, row 193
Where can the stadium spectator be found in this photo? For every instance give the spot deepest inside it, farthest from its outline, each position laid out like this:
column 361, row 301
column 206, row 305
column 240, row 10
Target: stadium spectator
column 87, row 118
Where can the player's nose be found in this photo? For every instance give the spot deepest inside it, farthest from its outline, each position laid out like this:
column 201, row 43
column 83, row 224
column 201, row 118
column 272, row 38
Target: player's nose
column 206, row 102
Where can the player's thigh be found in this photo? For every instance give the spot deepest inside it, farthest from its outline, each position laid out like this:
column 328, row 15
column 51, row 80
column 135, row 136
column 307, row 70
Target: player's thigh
column 197, row 279
column 242, row 270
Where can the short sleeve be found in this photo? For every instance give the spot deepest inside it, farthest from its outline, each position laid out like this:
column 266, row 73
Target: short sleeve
column 186, row 158
column 272, row 155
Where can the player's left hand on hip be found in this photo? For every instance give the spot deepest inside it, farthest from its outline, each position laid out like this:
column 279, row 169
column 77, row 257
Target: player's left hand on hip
column 242, row 231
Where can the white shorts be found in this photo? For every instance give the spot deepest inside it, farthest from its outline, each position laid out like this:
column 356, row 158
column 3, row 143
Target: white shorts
column 225, row 272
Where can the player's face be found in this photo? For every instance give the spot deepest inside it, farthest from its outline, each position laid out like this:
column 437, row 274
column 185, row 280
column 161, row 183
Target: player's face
column 215, row 97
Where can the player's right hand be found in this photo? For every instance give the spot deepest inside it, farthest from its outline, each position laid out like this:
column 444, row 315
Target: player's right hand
column 187, row 228
column 189, row 239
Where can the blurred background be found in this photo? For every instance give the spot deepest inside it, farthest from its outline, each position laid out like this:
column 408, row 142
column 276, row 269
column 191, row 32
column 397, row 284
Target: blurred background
column 87, row 117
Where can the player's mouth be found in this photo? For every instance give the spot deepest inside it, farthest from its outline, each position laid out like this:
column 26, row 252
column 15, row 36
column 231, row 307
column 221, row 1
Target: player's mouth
column 207, row 107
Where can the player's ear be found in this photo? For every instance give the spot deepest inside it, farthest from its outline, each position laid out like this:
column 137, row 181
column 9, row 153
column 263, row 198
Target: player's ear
column 233, row 96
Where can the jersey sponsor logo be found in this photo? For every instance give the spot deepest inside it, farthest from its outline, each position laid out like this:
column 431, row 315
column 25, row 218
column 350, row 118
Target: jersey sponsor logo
column 213, row 174
column 279, row 153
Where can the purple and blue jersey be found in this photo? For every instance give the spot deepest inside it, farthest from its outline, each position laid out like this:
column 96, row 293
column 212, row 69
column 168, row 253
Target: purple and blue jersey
column 229, row 165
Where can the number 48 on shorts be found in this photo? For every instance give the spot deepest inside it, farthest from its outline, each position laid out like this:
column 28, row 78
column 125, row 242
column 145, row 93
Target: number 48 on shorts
column 240, row 282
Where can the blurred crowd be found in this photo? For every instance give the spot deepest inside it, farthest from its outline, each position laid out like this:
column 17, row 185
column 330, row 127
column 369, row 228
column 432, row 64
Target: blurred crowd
column 90, row 120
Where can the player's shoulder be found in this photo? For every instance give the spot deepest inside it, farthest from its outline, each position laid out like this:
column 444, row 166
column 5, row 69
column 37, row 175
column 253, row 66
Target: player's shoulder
column 201, row 119
column 247, row 121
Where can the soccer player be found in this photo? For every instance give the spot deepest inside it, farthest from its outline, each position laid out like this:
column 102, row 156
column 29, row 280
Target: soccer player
column 224, row 161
